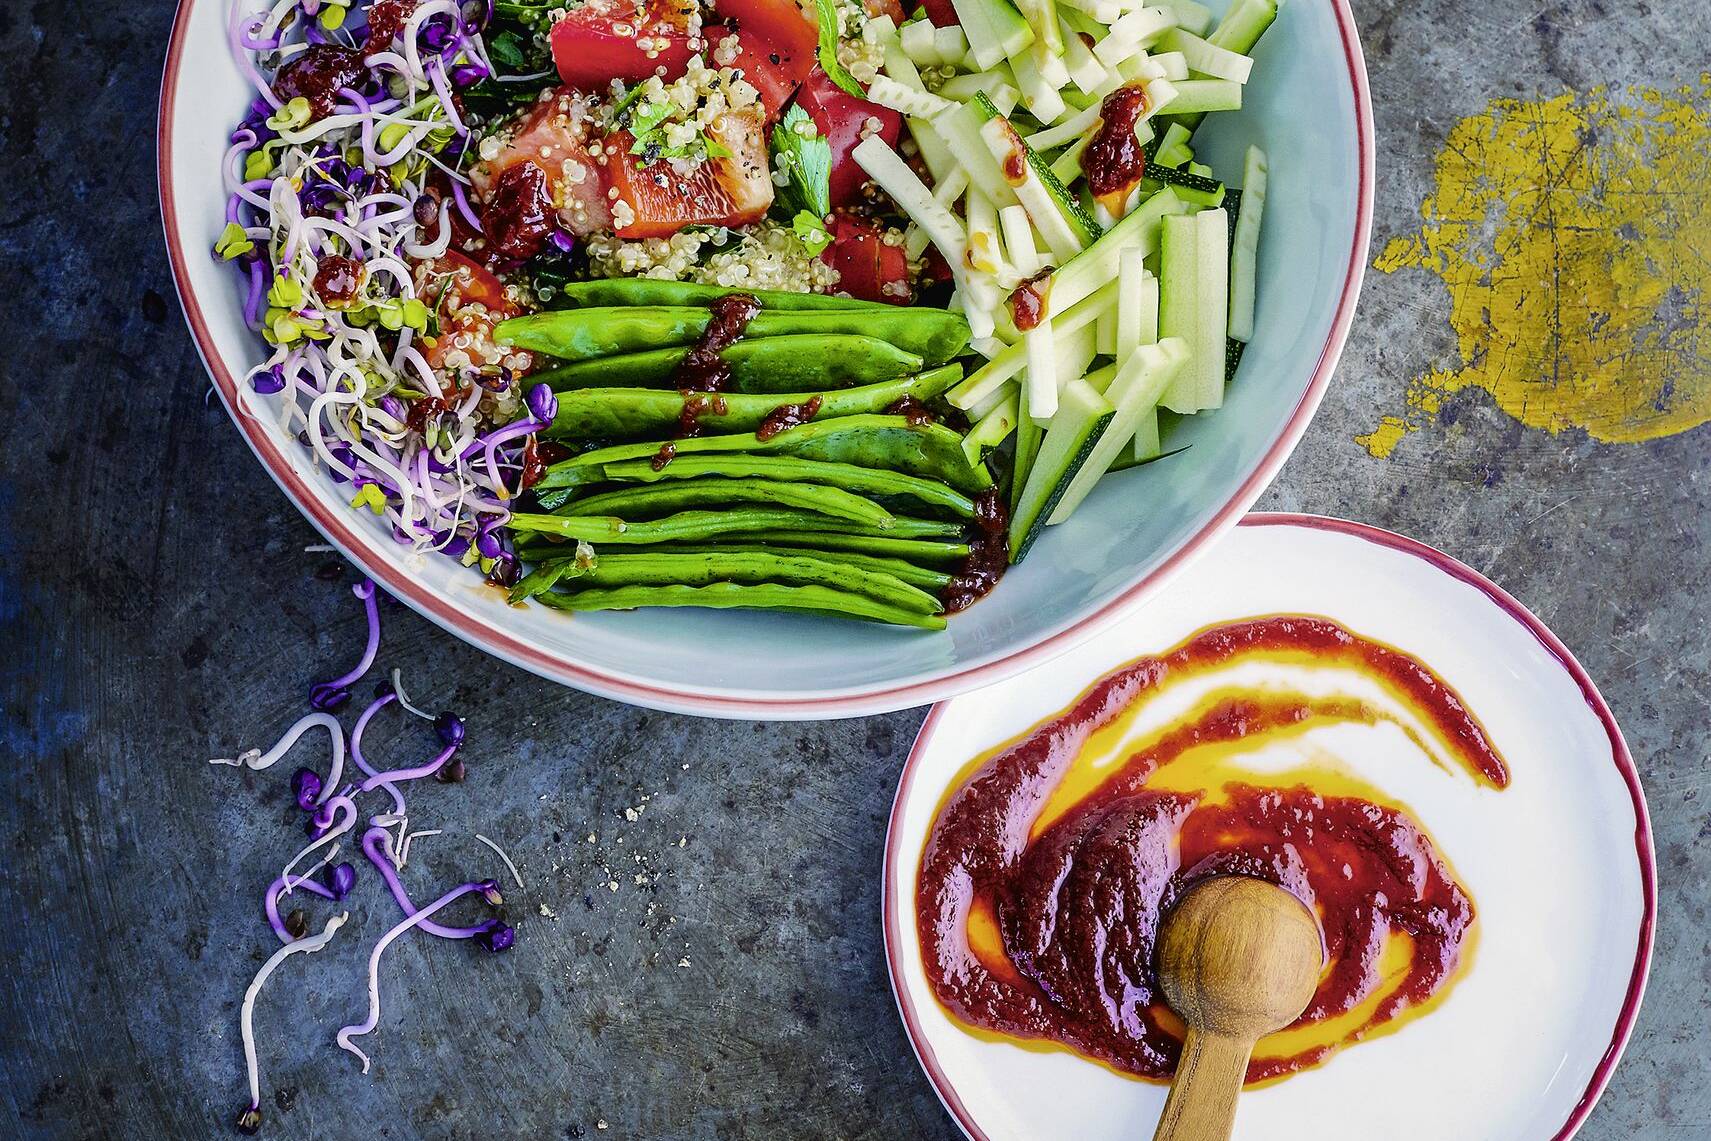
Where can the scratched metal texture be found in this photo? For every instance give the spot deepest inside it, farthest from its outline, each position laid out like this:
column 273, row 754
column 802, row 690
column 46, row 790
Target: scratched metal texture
column 157, row 607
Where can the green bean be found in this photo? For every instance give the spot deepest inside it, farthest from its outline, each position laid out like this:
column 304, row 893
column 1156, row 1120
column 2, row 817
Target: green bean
column 629, row 413
column 915, row 550
column 689, row 525
column 765, row 596
column 670, row 566
column 923, row 577
column 541, row 578
column 583, row 334
column 774, row 364
column 656, row 498
column 650, row 291
column 867, row 480
column 931, row 451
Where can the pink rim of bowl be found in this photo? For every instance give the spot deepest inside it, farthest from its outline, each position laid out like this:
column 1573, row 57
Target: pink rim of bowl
column 339, row 530
column 1619, row 756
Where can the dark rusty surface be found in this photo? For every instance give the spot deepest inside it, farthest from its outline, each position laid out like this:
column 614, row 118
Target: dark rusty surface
column 157, row 607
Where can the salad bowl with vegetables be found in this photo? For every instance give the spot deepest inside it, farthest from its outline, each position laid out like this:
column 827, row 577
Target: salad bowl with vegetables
column 765, row 358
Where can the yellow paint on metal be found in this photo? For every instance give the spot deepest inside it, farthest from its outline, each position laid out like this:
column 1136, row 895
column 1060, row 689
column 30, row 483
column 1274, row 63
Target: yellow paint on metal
column 1574, row 235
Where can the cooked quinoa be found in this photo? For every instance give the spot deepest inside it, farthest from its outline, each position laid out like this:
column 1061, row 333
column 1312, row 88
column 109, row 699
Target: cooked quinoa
column 766, row 256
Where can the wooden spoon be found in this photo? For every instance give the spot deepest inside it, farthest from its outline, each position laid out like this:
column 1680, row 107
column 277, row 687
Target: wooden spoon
column 1237, row 958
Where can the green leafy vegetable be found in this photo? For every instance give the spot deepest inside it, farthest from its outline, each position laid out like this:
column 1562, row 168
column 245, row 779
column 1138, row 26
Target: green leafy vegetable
column 506, row 49
column 834, row 70
column 805, row 158
column 811, row 231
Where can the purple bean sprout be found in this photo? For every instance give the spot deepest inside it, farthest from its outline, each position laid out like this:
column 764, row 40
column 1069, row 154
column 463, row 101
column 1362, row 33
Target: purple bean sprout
column 249, row 1120
column 356, row 1030
column 377, row 846
column 329, row 695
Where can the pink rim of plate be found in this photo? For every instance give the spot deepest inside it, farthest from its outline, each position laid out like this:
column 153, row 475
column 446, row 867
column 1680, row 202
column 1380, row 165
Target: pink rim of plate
column 1619, row 756
column 339, row 528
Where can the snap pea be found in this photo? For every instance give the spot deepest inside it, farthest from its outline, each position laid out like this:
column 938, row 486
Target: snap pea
column 584, row 334
column 866, row 480
column 649, row 291
column 928, row 450
column 543, row 576
column 915, row 550
column 690, row 568
column 924, row 577
column 688, row 525
column 773, row 364
column 764, row 596
column 629, row 413
column 629, row 502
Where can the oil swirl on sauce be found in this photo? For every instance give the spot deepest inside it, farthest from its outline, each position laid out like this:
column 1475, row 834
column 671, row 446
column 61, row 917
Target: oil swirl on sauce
column 1045, row 873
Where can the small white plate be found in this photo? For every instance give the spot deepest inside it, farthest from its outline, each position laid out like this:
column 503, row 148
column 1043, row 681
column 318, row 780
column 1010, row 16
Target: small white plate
column 1559, row 864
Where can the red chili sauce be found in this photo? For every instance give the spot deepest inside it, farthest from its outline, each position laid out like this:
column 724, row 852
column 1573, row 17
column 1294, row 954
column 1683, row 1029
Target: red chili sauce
column 1113, row 161
column 988, row 555
column 703, row 368
column 695, row 406
column 337, row 279
column 386, row 18
column 911, row 409
column 1076, row 907
column 788, row 416
column 519, row 214
column 318, row 74
column 1028, row 300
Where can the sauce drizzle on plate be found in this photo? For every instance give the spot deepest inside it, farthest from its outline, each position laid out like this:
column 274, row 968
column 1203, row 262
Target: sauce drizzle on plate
column 1045, row 874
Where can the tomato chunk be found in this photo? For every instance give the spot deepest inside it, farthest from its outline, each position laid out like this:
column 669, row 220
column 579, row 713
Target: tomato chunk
column 775, row 73
column 468, row 301
column 776, row 46
column 841, row 118
column 941, row 13
column 731, row 191
column 780, row 23
column 555, row 136
column 868, row 267
column 605, row 40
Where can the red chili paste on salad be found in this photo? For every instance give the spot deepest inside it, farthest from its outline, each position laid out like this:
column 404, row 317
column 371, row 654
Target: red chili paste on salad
column 787, row 416
column 1044, row 876
column 1028, row 300
column 912, row 410
column 1113, row 161
column 386, row 18
column 695, row 406
column 337, row 279
column 703, row 368
column 519, row 214
column 317, row 75
column 988, row 555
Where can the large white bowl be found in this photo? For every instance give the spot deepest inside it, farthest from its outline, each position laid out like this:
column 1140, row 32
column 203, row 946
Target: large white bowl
column 1307, row 105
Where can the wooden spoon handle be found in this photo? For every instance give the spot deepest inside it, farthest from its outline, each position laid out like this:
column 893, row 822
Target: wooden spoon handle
column 1202, row 1101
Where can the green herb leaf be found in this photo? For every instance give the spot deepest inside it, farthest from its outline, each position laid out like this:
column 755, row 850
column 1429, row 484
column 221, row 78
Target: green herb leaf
column 506, row 49
column 834, row 70
column 812, row 232
column 715, row 149
column 807, row 161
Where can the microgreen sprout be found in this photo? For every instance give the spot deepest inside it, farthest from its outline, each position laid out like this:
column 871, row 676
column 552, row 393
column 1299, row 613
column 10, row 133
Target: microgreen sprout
column 377, row 846
column 255, row 759
column 367, row 1025
column 340, row 174
column 332, row 810
column 250, row 1119
column 330, row 695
